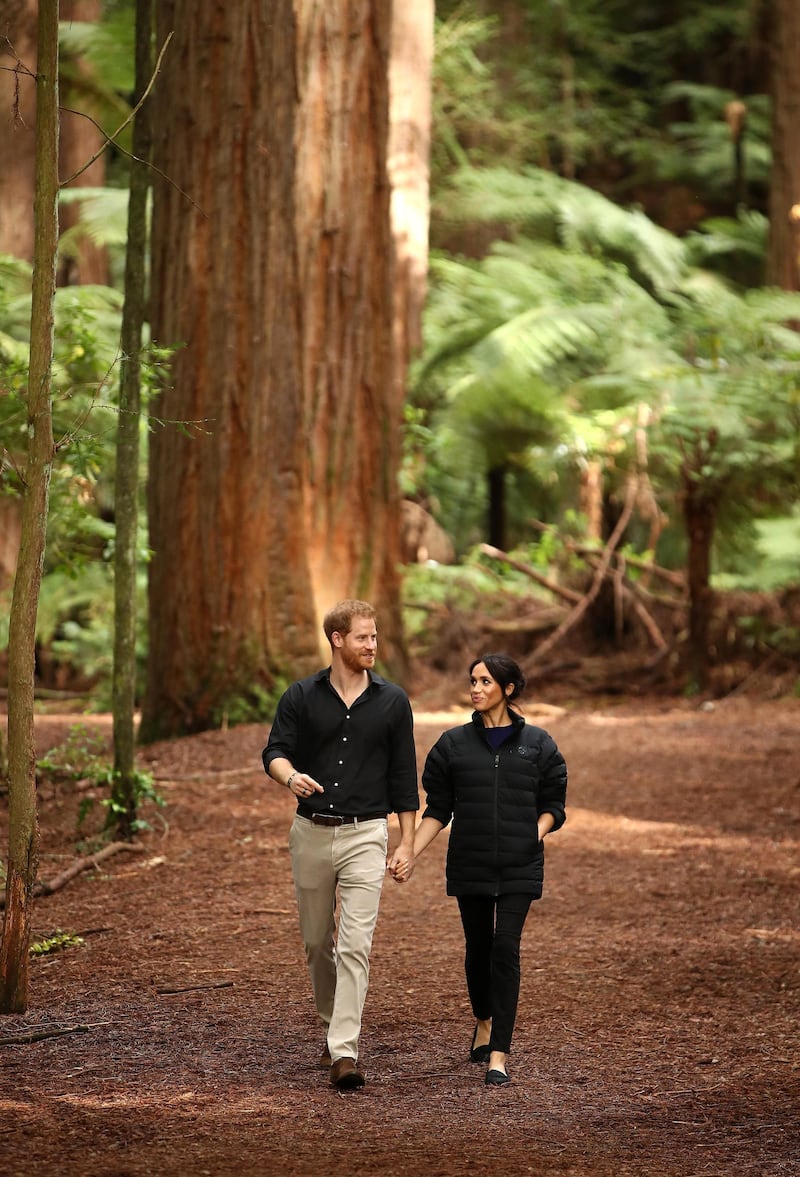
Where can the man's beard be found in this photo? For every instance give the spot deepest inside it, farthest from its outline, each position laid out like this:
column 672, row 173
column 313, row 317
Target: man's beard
column 356, row 662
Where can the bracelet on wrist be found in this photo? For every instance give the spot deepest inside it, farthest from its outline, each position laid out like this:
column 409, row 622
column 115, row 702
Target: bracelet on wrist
column 290, row 778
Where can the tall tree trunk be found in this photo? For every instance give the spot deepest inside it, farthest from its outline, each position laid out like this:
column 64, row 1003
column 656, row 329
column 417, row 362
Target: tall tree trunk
column 278, row 285
column 783, row 257
column 17, row 121
column 23, row 822
column 126, row 496
column 230, row 599
column 353, row 404
column 80, row 139
column 17, row 183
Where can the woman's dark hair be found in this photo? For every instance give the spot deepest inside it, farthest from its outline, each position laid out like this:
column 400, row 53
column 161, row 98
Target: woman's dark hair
column 505, row 671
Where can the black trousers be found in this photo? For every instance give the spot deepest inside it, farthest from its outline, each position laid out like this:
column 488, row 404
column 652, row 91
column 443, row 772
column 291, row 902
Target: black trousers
column 492, row 931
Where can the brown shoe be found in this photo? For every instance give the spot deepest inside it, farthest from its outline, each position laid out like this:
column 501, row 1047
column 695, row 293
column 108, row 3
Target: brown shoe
column 345, row 1075
column 325, row 1058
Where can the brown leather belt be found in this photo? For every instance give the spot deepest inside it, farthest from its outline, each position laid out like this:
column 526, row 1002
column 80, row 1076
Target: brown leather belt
column 336, row 819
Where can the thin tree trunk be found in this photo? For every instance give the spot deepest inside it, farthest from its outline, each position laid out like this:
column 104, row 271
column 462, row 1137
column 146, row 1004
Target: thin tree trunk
column 700, row 520
column 23, row 820
column 497, row 506
column 126, row 497
column 591, row 493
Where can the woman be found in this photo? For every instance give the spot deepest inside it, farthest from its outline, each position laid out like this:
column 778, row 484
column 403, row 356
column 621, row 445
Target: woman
column 503, row 782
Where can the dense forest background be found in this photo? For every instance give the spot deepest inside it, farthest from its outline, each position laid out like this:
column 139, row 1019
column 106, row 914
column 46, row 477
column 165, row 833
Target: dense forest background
column 486, row 312
column 505, row 329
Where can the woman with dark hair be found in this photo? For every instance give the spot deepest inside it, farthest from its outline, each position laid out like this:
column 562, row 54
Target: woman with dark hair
column 503, row 784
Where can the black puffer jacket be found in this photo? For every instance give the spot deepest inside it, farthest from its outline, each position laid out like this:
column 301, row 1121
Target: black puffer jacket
column 494, row 799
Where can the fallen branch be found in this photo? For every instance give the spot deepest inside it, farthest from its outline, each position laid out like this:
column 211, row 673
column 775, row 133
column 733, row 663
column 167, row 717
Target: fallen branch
column 49, row 887
column 167, row 991
column 543, row 619
column 557, row 589
column 40, row 1035
column 674, row 578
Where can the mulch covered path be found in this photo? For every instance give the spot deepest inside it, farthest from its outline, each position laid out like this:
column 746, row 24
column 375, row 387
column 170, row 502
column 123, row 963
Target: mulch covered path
column 660, row 1007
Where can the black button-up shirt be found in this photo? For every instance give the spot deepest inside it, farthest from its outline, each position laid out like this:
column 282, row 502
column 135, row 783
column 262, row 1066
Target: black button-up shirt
column 363, row 755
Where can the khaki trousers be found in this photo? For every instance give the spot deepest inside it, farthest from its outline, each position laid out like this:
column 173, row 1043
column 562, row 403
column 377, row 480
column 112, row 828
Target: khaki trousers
column 352, row 860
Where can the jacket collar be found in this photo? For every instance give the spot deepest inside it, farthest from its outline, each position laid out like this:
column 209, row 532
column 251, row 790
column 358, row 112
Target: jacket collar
column 517, row 721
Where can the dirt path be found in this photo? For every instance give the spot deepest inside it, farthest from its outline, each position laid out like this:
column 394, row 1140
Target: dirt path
column 658, row 1027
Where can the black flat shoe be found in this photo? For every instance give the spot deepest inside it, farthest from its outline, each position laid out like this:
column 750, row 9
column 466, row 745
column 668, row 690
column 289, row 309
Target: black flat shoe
column 496, row 1079
column 479, row 1054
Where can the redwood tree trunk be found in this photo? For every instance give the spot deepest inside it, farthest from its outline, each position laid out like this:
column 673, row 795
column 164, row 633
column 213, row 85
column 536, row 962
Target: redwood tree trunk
column 277, row 284
column 23, row 824
column 17, row 139
column 230, row 597
column 783, row 259
column 353, row 403
column 17, row 181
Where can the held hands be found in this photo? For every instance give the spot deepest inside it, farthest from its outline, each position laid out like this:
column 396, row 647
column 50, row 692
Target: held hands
column 401, row 864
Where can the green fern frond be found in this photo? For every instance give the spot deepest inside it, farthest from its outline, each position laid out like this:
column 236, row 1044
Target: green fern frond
column 103, row 218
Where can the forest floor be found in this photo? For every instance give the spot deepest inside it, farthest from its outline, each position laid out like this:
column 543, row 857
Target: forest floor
column 660, row 1005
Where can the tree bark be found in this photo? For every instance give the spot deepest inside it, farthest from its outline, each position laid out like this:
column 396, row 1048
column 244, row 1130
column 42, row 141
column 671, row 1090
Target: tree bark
column 23, row 819
column 126, row 488
column 230, row 597
column 353, row 403
column 278, row 285
column 409, row 170
column 783, row 257
column 17, row 122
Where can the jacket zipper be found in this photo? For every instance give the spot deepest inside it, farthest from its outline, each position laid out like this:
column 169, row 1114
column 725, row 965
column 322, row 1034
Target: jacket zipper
column 496, row 823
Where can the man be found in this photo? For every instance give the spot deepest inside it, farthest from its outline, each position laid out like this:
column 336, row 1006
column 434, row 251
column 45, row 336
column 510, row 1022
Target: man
column 343, row 742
